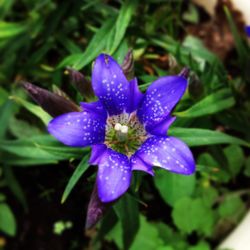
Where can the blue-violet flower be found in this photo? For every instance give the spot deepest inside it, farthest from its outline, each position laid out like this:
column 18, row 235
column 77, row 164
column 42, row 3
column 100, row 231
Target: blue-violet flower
column 126, row 129
column 247, row 29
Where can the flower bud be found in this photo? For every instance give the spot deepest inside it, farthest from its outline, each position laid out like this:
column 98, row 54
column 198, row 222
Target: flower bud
column 185, row 72
column 128, row 65
column 52, row 103
column 96, row 209
column 80, row 82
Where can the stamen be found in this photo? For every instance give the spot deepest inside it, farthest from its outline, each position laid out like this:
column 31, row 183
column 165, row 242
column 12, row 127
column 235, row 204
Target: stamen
column 124, row 129
column 118, row 127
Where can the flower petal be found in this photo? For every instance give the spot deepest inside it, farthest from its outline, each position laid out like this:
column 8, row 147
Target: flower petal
column 160, row 98
column 95, row 107
column 110, row 84
column 96, row 154
column 161, row 127
column 78, row 129
column 114, row 175
column 247, row 29
column 138, row 164
column 135, row 96
column 169, row 153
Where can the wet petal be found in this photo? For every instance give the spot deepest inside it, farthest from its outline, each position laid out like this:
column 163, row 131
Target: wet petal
column 160, row 99
column 161, row 127
column 114, row 175
column 169, row 153
column 135, row 96
column 95, row 107
column 78, row 129
column 138, row 164
column 110, row 84
column 96, row 154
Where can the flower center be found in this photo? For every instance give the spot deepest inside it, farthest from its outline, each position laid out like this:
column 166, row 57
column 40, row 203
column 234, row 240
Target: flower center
column 124, row 133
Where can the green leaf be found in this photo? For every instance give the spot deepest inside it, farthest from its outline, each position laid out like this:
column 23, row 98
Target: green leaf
column 9, row 29
column 127, row 211
column 232, row 208
column 247, row 167
column 5, row 115
column 211, row 104
column 235, row 158
column 241, row 49
column 3, row 96
column 34, row 109
column 199, row 137
column 210, row 164
column 170, row 237
column 2, row 197
column 15, row 186
column 23, row 129
column 7, row 220
column 95, row 46
column 147, row 237
column 79, row 171
column 192, row 215
column 41, row 147
column 125, row 14
column 200, row 246
column 209, row 195
column 17, row 161
column 173, row 187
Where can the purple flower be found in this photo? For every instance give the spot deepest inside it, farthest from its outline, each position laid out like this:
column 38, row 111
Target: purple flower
column 247, row 29
column 126, row 129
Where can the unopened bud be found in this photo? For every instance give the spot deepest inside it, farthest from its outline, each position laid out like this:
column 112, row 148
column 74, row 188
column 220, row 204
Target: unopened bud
column 52, row 103
column 185, row 72
column 128, row 65
column 96, row 209
column 81, row 83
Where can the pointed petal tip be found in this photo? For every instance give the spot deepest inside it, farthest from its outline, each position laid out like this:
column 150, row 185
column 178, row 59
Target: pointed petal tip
column 160, row 98
column 169, row 153
column 110, row 84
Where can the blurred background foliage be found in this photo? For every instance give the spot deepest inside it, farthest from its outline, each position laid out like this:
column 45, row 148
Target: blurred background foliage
column 39, row 40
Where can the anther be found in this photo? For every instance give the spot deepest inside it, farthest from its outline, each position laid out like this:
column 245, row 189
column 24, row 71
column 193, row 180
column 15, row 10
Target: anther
column 118, row 127
column 124, row 129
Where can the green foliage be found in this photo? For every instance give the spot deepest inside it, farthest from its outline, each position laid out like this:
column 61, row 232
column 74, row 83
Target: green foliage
column 231, row 208
column 79, row 171
column 173, row 187
column 128, row 213
column 7, row 220
column 193, row 215
column 213, row 103
column 199, row 137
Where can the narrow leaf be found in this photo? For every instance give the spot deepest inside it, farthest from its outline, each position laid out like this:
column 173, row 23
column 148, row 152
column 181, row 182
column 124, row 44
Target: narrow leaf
column 211, row 104
column 199, row 137
column 123, row 20
column 95, row 46
column 127, row 210
column 34, row 109
column 9, row 29
column 81, row 168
